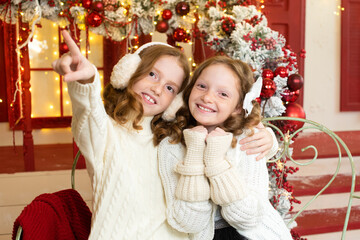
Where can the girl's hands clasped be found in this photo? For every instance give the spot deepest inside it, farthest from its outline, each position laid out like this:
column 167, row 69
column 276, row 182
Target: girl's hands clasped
column 73, row 65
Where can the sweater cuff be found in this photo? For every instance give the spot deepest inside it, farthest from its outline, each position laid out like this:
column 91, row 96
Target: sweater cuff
column 190, row 170
column 195, row 141
column 193, row 188
column 226, row 188
column 216, row 149
column 93, row 88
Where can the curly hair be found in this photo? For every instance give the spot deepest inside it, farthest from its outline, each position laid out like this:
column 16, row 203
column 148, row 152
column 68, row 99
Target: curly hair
column 235, row 123
column 124, row 105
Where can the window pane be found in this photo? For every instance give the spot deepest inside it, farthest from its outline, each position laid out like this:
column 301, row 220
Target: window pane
column 44, row 47
column 45, row 94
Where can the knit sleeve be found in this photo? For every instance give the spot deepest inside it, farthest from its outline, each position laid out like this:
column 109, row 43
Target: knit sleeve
column 193, row 185
column 247, row 212
column 89, row 119
column 275, row 145
column 189, row 217
column 225, row 184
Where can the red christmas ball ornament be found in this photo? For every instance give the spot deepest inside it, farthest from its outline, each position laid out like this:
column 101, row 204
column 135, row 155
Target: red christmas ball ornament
column 94, row 19
column 98, row 6
column 162, row 26
column 290, row 96
column 267, row 73
column 295, row 82
column 268, row 88
column 294, row 110
column 228, row 25
column 282, row 72
column 182, row 8
column 166, row 14
column 86, row 3
column 63, row 48
column 258, row 100
column 179, row 34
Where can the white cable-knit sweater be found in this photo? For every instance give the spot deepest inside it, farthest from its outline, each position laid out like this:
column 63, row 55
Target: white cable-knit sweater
column 253, row 216
column 128, row 198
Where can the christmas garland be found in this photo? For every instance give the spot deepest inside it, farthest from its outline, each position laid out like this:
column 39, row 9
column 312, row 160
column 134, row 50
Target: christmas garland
column 234, row 28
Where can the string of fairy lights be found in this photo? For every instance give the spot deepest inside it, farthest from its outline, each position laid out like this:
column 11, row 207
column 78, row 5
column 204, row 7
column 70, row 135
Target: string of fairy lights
column 184, row 22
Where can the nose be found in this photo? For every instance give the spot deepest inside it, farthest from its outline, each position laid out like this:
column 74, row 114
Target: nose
column 207, row 97
column 156, row 88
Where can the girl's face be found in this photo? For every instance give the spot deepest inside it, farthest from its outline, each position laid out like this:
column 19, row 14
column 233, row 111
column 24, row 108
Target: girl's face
column 215, row 96
column 159, row 87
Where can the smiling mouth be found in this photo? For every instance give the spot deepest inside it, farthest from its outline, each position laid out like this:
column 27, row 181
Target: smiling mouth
column 205, row 109
column 148, row 98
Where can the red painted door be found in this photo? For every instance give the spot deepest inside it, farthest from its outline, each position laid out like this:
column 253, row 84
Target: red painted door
column 350, row 56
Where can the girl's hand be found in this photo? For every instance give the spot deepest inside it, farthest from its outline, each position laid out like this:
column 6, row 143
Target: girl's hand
column 261, row 142
column 200, row 129
column 217, row 132
column 73, row 65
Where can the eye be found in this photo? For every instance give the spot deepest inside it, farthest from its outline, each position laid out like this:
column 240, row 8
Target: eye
column 224, row 94
column 202, row 86
column 153, row 75
column 170, row 89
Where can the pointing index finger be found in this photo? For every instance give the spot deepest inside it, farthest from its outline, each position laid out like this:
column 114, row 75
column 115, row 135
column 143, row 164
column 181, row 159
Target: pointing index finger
column 73, row 48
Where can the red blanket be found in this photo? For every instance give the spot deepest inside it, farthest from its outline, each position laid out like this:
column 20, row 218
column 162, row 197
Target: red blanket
column 61, row 215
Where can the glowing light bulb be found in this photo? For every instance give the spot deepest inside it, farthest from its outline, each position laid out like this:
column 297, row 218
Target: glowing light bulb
column 55, row 52
column 65, row 89
column 51, row 107
column 1, row 100
column 67, row 102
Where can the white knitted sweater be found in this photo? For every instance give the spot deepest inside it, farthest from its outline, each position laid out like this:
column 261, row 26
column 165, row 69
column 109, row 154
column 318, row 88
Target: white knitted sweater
column 253, row 216
column 128, row 198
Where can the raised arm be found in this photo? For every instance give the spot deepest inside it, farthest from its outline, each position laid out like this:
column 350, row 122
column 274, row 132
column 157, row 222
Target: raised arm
column 185, row 216
column 89, row 119
column 237, row 189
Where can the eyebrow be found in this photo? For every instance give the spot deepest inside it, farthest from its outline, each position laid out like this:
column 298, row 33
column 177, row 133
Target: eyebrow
column 171, row 82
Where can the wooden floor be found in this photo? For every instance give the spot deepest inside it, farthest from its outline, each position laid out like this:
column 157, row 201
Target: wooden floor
column 47, row 158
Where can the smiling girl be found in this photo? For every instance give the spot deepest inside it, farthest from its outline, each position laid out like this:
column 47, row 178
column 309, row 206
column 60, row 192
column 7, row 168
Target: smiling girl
column 213, row 189
column 117, row 141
